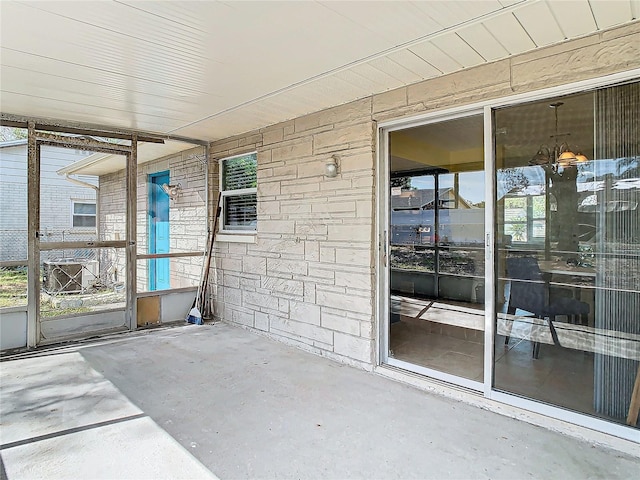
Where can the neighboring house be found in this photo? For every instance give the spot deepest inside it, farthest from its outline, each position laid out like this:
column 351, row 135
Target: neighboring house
column 424, row 199
column 67, row 210
column 413, row 218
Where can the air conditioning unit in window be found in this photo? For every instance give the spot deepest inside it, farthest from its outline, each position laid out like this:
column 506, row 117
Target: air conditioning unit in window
column 69, row 275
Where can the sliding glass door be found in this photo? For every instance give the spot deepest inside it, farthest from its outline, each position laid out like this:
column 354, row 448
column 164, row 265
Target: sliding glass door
column 562, row 281
column 436, row 231
column 568, row 251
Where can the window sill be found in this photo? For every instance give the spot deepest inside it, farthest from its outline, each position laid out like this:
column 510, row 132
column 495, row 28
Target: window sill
column 236, row 237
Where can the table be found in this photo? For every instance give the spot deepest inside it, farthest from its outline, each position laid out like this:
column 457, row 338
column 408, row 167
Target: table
column 561, row 268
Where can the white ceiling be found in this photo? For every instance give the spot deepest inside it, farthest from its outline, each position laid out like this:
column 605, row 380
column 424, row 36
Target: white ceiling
column 209, row 70
column 103, row 163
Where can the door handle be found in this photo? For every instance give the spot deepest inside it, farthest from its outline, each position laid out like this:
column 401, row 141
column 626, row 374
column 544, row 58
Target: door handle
column 384, row 248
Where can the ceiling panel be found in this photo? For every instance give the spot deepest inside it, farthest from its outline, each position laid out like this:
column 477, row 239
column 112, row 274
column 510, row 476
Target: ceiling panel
column 383, row 18
column 575, row 18
column 449, row 13
column 239, row 120
column 306, row 35
column 436, row 57
column 510, row 33
column 126, row 21
column 394, row 69
column 458, row 49
column 102, row 98
column 18, row 103
column 333, row 88
column 195, row 15
column 367, row 83
column 214, row 69
column 77, row 43
column 120, row 79
column 539, row 23
column 309, row 96
column 376, row 75
column 13, row 78
column 414, row 63
column 611, row 12
column 483, row 42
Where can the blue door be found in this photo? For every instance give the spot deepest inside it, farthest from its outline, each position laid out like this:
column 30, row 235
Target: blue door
column 158, row 212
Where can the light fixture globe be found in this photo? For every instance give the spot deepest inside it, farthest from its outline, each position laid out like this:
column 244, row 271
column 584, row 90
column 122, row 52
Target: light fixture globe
column 566, row 157
column 174, row 191
column 580, row 157
column 557, row 155
column 331, row 167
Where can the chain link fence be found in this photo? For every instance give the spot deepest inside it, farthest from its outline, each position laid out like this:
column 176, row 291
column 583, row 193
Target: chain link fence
column 13, row 243
column 73, row 280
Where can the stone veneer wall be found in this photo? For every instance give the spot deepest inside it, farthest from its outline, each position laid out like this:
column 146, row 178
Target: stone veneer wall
column 309, row 279
column 188, row 230
column 112, row 199
column 187, row 220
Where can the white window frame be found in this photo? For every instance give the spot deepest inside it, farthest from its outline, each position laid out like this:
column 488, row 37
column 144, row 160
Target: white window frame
column 234, row 234
column 87, row 201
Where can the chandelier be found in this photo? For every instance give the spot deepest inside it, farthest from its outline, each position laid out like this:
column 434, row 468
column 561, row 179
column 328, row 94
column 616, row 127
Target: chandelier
column 560, row 155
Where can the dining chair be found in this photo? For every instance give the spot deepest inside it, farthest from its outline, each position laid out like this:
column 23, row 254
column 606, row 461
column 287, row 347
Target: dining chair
column 530, row 291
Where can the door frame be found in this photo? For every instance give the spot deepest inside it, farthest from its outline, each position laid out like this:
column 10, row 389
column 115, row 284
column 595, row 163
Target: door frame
column 37, row 138
column 382, row 221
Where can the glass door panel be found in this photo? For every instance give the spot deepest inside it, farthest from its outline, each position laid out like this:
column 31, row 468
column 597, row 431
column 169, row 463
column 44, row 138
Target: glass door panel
column 568, row 268
column 437, row 249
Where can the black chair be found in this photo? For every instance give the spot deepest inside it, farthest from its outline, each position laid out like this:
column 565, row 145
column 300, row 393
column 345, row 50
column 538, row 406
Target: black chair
column 530, row 292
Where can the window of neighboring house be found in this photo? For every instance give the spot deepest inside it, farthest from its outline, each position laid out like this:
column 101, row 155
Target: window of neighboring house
column 238, row 187
column 524, row 218
column 83, row 214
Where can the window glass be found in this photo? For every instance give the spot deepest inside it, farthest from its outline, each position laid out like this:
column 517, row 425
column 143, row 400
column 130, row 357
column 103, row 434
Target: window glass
column 239, row 193
column 84, row 208
column 567, row 261
column 84, row 214
column 437, row 249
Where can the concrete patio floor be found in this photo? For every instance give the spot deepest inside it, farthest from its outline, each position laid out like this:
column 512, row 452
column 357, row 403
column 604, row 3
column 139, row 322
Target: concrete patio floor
column 215, row 400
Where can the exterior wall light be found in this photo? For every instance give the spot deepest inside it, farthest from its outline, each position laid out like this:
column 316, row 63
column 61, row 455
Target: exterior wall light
column 331, row 167
column 174, row 191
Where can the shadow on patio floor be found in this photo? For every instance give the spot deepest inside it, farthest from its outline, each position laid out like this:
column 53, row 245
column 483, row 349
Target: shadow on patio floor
column 249, row 407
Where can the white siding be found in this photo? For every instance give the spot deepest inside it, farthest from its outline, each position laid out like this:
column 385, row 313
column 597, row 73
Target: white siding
column 55, row 198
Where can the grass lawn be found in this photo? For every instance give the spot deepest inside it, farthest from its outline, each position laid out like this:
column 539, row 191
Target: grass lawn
column 59, row 312
column 13, row 287
column 13, row 293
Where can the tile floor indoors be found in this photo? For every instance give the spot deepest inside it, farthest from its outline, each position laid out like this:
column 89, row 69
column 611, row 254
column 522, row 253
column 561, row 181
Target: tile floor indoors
column 560, row 376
